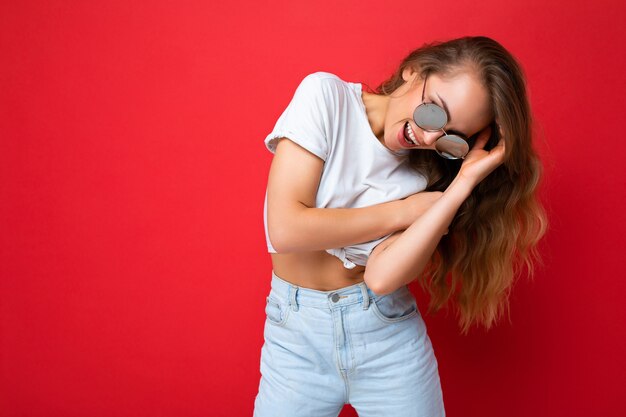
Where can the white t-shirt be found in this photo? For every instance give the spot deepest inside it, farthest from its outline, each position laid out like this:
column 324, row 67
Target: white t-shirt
column 327, row 117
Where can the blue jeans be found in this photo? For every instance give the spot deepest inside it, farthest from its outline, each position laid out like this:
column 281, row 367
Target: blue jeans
column 324, row 349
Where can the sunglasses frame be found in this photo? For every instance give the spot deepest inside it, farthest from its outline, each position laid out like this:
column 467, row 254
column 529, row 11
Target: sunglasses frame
column 446, row 137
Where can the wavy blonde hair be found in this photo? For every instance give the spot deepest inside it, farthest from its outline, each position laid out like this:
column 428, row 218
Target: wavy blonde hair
column 496, row 229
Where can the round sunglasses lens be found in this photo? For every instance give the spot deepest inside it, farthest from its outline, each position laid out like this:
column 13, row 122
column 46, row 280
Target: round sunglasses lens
column 452, row 147
column 430, row 116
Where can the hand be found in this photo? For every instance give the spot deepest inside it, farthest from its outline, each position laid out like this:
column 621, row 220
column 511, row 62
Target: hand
column 479, row 163
column 416, row 204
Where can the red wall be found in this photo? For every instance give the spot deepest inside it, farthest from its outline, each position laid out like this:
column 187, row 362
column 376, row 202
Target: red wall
column 133, row 266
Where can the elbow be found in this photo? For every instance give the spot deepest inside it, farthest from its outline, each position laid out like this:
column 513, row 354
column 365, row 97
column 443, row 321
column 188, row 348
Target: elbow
column 284, row 231
column 375, row 283
column 378, row 290
column 276, row 241
column 279, row 240
column 382, row 278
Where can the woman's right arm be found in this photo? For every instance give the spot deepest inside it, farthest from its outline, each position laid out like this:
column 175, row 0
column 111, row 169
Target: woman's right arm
column 295, row 224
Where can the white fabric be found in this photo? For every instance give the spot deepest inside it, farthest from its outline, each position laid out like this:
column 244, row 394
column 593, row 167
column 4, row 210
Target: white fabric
column 327, row 117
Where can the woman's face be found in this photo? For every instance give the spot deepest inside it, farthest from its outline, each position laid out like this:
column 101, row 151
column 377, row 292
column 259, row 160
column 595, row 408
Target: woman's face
column 467, row 102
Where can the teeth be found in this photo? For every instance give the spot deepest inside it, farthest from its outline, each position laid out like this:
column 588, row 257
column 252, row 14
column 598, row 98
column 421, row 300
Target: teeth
column 410, row 133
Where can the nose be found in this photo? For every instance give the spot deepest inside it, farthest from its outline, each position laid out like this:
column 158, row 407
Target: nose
column 430, row 138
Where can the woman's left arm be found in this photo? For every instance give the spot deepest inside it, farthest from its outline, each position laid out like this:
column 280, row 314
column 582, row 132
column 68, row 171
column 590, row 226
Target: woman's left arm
column 403, row 256
column 400, row 258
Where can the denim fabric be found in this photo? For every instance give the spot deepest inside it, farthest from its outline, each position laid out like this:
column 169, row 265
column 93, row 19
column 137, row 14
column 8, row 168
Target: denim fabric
column 324, row 349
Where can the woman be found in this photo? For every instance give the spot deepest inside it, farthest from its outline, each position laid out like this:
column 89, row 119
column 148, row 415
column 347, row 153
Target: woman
column 432, row 175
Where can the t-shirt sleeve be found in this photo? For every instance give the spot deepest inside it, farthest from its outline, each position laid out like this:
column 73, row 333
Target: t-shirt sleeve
column 306, row 118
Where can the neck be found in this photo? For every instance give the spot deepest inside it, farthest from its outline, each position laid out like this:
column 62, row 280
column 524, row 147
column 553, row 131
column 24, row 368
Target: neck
column 376, row 109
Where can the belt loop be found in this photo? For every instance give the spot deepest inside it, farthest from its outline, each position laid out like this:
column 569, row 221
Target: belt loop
column 293, row 290
column 366, row 296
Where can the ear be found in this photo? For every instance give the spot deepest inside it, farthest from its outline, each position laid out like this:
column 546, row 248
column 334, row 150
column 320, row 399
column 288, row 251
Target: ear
column 408, row 74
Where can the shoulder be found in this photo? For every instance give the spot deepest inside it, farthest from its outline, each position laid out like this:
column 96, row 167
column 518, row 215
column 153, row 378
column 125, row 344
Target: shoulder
column 322, row 83
column 322, row 77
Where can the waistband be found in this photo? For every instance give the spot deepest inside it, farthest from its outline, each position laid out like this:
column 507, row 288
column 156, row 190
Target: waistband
column 296, row 296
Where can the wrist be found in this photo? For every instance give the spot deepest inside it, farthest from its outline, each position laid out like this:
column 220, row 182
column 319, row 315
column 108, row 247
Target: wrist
column 460, row 186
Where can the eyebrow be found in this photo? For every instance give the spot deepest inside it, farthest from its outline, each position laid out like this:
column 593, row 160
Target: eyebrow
column 445, row 107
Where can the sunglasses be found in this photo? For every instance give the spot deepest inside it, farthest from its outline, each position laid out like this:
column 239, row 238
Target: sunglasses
column 432, row 118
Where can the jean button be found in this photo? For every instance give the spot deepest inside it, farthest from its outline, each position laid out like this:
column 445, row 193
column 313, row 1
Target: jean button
column 335, row 297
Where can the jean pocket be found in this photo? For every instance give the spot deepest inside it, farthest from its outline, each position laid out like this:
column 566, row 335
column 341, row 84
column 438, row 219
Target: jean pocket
column 398, row 306
column 276, row 311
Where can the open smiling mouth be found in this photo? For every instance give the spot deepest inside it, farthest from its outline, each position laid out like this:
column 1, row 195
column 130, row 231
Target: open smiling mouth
column 409, row 136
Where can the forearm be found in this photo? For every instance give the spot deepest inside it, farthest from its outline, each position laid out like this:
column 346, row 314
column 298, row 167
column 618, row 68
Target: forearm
column 406, row 257
column 308, row 229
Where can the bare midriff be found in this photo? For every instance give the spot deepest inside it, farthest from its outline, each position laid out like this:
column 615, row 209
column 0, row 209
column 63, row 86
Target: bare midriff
column 317, row 270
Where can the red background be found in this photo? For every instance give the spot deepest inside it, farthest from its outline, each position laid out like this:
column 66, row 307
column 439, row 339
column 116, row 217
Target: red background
column 133, row 269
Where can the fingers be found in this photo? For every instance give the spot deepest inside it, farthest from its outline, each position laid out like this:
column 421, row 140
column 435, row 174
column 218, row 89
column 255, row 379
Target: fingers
column 501, row 142
column 482, row 138
column 499, row 150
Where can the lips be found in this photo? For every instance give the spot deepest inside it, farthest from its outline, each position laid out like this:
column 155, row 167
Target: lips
column 405, row 140
column 401, row 140
column 406, row 134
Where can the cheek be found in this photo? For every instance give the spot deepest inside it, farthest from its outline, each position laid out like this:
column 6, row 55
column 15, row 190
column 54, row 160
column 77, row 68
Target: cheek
column 403, row 110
